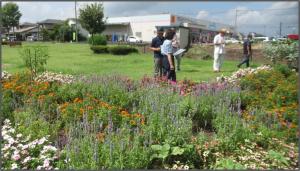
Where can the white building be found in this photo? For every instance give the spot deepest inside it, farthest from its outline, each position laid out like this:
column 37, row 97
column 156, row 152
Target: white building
column 189, row 30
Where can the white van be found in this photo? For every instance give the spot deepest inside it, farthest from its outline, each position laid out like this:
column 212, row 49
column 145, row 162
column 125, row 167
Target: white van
column 263, row 39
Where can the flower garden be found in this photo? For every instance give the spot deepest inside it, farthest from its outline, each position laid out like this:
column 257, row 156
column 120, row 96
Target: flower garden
column 55, row 121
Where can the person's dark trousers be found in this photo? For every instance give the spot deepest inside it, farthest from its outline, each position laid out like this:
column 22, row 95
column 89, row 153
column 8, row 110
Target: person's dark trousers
column 165, row 65
column 245, row 60
column 171, row 74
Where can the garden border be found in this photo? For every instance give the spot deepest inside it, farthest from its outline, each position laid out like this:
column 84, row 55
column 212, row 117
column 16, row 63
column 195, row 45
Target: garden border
column 1, row 120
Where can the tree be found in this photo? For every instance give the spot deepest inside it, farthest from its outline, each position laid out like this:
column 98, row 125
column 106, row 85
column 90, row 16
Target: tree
column 10, row 16
column 91, row 18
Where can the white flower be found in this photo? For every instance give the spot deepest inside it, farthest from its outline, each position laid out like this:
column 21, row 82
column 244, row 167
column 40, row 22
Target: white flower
column 7, row 121
column 19, row 135
column 46, row 163
column 27, row 159
column 25, row 147
column 186, row 167
column 6, row 147
column 39, row 167
column 175, row 166
column 41, row 141
column 14, row 166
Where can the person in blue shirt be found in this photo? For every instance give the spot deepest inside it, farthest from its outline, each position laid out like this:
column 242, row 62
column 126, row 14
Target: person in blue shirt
column 247, row 51
column 158, row 57
column 168, row 60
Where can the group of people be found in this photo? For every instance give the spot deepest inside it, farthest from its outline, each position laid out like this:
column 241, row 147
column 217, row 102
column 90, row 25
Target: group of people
column 165, row 44
column 219, row 50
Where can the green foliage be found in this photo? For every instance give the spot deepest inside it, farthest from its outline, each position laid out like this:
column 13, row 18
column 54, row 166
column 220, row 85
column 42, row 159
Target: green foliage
column 10, row 15
column 281, row 51
column 276, row 93
column 91, row 18
column 199, row 52
column 97, row 39
column 122, row 50
column 228, row 163
column 45, row 34
column 99, row 49
column 35, row 58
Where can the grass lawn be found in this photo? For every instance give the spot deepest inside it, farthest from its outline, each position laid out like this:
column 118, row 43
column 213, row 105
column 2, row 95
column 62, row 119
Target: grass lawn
column 79, row 59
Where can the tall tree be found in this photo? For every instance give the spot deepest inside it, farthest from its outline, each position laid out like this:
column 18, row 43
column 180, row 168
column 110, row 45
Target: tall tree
column 10, row 16
column 91, row 18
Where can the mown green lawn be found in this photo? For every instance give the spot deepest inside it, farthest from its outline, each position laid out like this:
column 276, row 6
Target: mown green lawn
column 79, row 59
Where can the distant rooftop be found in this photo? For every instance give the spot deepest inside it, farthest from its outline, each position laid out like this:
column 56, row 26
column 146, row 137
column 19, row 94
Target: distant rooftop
column 50, row 21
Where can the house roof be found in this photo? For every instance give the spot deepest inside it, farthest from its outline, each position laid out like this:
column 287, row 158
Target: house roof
column 27, row 24
column 25, row 29
column 50, row 21
column 118, row 23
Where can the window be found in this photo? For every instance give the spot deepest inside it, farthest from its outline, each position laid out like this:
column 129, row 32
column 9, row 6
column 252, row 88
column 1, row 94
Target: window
column 138, row 34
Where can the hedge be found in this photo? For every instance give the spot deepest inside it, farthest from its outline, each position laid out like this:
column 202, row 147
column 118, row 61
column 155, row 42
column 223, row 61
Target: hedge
column 100, row 49
column 115, row 50
column 122, row 50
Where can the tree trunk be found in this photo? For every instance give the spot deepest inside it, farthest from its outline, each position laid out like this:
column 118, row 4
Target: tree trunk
column 92, row 39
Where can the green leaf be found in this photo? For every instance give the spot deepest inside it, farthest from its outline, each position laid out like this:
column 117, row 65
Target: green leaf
column 156, row 147
column 177, row 151
column 166, row 147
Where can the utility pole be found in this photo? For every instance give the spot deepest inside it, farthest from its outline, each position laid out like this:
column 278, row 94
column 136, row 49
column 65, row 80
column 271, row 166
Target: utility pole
column 235, row 23
column 280, row 26
column 265, row 30
column 76, row 32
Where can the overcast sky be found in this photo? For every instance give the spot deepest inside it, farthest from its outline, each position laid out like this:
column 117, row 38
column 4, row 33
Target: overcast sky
column 262, row 17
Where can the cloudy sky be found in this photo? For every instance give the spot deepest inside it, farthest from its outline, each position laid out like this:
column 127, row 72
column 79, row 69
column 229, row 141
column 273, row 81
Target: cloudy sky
column 261, row 17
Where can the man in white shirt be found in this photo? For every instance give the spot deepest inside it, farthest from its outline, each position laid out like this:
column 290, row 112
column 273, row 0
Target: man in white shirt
column 219, row 51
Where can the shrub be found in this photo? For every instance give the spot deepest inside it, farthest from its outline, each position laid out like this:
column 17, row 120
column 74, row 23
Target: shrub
column 35, row 58
column 283, row 51
column 97, row 39
column 99, row 49
column 122, row 50
column 199, row 52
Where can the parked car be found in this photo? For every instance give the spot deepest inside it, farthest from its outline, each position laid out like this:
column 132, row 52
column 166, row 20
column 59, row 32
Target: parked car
column 31, row 38
column 12, row 38
column 293, row 36
column 263, row 39
column 232, row 40
column 133, row 39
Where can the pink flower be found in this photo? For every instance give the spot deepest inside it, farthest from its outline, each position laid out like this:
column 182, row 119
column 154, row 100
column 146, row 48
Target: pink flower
column 16, row 157
column 46, row 163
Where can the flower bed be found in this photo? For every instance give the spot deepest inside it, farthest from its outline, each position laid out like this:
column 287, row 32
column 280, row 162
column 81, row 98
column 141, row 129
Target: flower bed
column 102, row 122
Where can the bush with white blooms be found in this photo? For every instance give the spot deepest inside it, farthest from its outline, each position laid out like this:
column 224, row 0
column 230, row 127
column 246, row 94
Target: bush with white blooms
column 54, row 77
column 5, row 75
column 19, row 152
column 236, row 76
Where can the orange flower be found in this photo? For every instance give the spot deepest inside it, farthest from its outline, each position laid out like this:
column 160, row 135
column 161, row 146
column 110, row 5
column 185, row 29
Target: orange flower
column 77, row 100
column 89, row 107
column 51, row 94
column 81, row 111
column 138, row 115
column 100, row 136
column 143, row 122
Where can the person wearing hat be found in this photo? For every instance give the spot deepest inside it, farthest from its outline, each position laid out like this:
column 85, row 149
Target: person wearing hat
column 158, row 57
column 219, row 50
